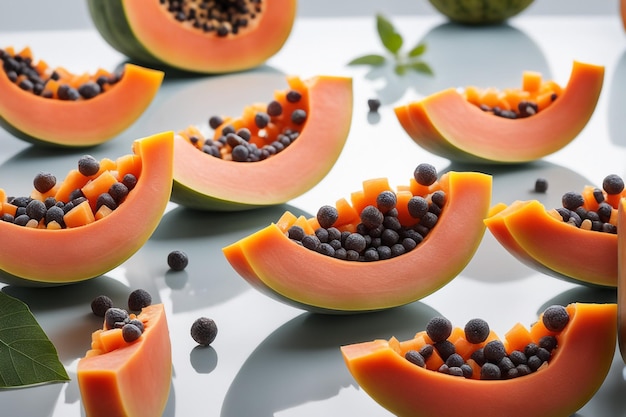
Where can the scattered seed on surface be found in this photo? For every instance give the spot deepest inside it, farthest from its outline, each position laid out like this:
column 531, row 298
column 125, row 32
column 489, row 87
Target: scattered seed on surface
column 177, row 260
column 613, row 184
column 204, row 331
column 327, row 216
column 476, row 330
column 113, row 316
column 415, row 358
column 541, row 185
column 373, row 104
column 130, row 332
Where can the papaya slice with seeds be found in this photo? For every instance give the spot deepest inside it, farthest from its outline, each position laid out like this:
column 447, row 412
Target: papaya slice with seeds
column 448, row 125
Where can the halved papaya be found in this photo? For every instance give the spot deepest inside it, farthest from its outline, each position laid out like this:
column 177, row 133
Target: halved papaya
column 204, row 37
column 449, row 125
column 103, row 239
column 542, row 240
column 406, row 389
column 52, row 106
column 118, row 378
column 207, row 182
column 308, row 279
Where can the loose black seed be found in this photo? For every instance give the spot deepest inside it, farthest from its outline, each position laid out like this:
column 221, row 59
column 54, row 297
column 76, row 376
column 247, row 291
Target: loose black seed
column 494, row 351
column 293, row 96
column 371, row 254
column 129, row 180
column 233, row 139
column 355, row 242
column 572, row 200
column 105, row 199
column 36, row 210
column 244, row 133
column 384, row 252
column 467, row 370
column 311, row 242
column 555, row 318
column 118, row 191
column 88, row 165
column 100, row 305
column 371, row 217
column 44, row 181
column 439, row 329
column 409, row 244
column 335, row 234
column 130, row 332
column 392, row 222
column 417, row 206
column 543, row 354
column 204, row 331
column 322, row 234
column 425, row 174
column 598, row 195
column 114, row 315
column 89, row 90
column 55, row 214
column 455, row 371
column 295, row 233
column 298, row 116
column 490, row 371
column 261, row 120
column 386, row 201
column 534, row 363
column 177, row 260
column 389, row 237
column 613, row 184
column 426, row 351
column 373, row 104
column 505, row 365
column 137, row 323
column 65, row 92
column 541, row 185
column 438, row 198
column 476, row 330
column 139, row 299
column 445, row 348
column 274, row 108
column 327, row 216
column 429, row 220
column 240, row 153
column 531, row 349
column 479, row 356
column 518, row 357
column 548, row 342
column 455, row 360
column 415, row 357
column 215, row 122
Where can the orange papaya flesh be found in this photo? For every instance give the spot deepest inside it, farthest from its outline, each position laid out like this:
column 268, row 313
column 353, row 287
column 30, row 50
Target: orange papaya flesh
column 380, row 369
column 448, row 125
column 53, row 106
column 112, row 371
column 277, row 266
column 260, row 132
column 203, row 181
column 107, row 240
column 535, row 95
column 172, row 33
column 538, row 236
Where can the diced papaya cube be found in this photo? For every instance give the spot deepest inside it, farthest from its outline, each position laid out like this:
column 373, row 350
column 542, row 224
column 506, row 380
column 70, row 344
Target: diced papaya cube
column 531, row 81
column 111, row 339
column 74, row 180
column 402, row 206
column 286, row 221
column 517, row 338
column 97, row 186
column 80, row 215
column 302, row 222
column 128, row 164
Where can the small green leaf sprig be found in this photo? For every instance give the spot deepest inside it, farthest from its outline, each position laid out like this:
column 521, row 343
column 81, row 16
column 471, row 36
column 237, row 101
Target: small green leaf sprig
column 392, row 41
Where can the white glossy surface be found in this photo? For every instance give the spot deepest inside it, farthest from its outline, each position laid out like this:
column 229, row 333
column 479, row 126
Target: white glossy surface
column 273, row 360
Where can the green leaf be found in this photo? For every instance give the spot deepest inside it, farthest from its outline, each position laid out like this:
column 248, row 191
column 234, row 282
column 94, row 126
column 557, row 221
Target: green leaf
column 400, row 69
column 421, row 67
column 27, row 357
column 418, row 50
column 391, row 39
column 372, row 59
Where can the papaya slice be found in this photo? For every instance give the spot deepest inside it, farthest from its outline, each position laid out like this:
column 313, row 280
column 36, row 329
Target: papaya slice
column 549, row 245
column 290, row 272
column 189, row 37
column 206, row 182
column 406, row 389
column 102, row 240
column 128, row 379
column 42, row 105
column 449, row 125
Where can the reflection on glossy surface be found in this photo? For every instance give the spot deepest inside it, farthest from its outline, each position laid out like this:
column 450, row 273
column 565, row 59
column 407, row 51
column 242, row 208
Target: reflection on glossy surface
column 301, row 360
column 617, row 104
column 208, row 279
column 484, row 56
column 510, row 183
